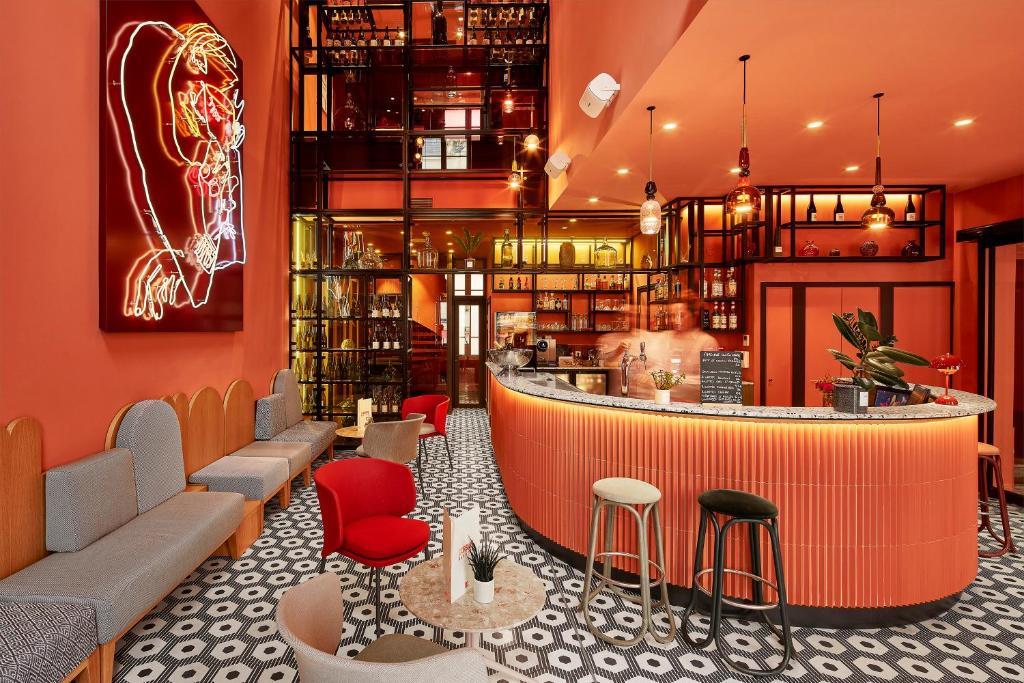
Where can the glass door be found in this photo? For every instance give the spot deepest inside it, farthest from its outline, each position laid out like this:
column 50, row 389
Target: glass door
column 468, row 342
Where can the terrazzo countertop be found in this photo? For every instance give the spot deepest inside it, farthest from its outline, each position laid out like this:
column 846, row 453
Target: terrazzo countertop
column 970, row 404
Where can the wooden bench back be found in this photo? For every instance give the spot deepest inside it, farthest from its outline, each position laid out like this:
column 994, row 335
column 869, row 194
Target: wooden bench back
column 23, row 522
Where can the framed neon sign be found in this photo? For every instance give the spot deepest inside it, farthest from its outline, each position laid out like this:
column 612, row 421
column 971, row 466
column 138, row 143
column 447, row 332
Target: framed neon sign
column 172, row 230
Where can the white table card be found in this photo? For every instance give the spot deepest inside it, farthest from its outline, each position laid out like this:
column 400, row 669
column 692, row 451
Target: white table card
column 364, row 412
column 459, row 531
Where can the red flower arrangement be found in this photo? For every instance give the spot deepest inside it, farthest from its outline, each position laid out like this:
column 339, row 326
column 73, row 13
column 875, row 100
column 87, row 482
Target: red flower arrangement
column 826, row 386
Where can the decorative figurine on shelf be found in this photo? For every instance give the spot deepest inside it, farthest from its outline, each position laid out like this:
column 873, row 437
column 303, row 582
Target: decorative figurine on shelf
column 664, row 381
column 567, row 255
column 911, row 249
column 809, row 249
column 833, row 252
column 869, row 248
column 826, row 386
column 948, row 365
column 876, row 360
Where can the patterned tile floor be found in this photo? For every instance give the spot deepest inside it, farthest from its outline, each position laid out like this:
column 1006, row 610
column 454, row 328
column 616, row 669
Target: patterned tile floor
column 218, row 626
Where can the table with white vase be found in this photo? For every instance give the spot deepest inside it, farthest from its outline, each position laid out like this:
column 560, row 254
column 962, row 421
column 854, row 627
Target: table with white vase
column 518, row 596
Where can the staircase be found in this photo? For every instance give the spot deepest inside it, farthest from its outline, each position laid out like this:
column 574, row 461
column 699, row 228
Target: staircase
column 428, row 356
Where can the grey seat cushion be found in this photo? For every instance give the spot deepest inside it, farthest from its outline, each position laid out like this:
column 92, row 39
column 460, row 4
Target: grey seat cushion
column 271, row 419
column 318, row 434
column 254, row 478
column 89, row 498
column 297, row 455
column 44, row 642
column 399, row 647
column 127, row 571
column 151, row 432
column 285, row 383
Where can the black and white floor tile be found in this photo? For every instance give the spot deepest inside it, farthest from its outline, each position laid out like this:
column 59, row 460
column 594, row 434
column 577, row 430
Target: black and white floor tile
column 218, row 626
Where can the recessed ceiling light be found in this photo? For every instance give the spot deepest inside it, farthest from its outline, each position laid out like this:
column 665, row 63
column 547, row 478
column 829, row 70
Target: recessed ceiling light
column 963, row 122
column 565, row 227
column 592, row 200
column 671, row 125
column 815, row 124
column 734, row 170
column 852, row 167
column 572, row 220
column 447, row 232
column 451, row 244
column 622, row 171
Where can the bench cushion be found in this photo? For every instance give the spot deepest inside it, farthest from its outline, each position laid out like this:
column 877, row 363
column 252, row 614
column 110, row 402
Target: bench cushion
column 297, row 455
column 285, row 383
column 270, row 417
column 150, row 430
column 317, row 433
column 44, row 642
column 125, row 573
column 254, row 478
column 89, row 498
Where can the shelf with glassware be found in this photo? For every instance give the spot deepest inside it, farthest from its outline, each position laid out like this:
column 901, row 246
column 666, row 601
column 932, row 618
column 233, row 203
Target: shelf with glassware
column 822, row 223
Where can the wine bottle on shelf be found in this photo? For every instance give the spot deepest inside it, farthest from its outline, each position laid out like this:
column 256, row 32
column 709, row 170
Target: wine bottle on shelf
column 439, row 25
column 519, row 282
column 734, row 320
column 500, row 284
column 396, row 341
column 717, row 288
column 731, row 286
column 812, row 211
column 507, row 252
column 910, row 213
column 374, row 338
column 838, row 214
column 394, row 308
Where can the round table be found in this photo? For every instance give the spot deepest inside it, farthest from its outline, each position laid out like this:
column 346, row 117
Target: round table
column 518, row 596
column 351, row 432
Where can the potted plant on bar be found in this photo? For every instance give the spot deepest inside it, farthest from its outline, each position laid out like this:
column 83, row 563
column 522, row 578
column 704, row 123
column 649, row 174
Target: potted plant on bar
column 664, row 381
column 482, row 560
column 876, row 357
column 468, row 243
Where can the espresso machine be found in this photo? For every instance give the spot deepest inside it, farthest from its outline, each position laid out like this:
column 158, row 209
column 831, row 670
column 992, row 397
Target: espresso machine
column 547, row 352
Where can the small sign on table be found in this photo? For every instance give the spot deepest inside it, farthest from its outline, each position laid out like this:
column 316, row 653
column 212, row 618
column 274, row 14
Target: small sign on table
column 364, row 412
column 721, row 377
column 459, row 532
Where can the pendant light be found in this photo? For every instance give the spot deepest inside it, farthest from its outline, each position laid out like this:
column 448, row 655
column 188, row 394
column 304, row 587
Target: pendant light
column 745, row 200
column 878, row 215
column 650, row 210
column 508, row 105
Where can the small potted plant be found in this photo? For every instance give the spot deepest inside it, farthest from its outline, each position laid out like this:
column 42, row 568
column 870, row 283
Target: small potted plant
column 664, row 381
column 483, row 559
column 468, row 243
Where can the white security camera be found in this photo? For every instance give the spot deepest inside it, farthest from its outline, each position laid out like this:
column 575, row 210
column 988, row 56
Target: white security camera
column 599, row 94
column 557, row 163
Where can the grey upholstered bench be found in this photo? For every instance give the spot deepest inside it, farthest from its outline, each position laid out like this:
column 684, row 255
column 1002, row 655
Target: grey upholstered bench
column 44, row 641
column 255, row 478
column 279, row 418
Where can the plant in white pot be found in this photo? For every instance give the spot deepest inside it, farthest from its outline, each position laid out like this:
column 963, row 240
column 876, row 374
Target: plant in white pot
column 664, row 381
column 483, row 559
column 468, row 243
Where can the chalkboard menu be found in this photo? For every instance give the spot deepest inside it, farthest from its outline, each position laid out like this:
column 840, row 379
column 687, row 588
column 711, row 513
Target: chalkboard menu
column 720, row 377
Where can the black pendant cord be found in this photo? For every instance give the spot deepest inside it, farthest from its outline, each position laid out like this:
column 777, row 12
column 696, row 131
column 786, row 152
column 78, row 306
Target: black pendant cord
column 878, row 137
column 743, row 119
column 649, row 190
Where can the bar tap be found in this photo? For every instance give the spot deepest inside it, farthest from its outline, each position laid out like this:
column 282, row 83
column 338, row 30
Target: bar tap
column 627, row 363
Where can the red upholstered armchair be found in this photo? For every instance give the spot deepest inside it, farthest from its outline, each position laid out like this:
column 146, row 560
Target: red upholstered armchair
column 363, row 503
column 435, row 407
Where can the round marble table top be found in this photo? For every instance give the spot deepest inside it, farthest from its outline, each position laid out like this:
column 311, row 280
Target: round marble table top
column 518, row 596
column 351, row 432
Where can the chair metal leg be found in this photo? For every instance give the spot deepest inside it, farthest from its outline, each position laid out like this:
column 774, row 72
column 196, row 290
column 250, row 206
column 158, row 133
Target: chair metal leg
column 659, row 549
column 448, row 448
column 419, row 463
column 323, row 564
column 588, row 575
column 1006, row 542
column 697, row 560
column 376, row 599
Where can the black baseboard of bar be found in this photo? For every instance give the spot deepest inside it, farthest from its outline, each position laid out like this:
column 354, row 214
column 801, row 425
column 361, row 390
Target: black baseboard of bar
column 799, row 615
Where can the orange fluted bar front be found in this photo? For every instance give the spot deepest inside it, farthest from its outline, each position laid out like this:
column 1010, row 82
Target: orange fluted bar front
column 873, row 513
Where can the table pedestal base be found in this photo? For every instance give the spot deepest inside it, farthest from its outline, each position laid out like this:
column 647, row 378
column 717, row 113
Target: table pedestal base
column 473, row 643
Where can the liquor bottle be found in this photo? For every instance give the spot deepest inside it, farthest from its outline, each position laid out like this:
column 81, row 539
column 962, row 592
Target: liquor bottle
column 451, row 81
column 351, row 116
column 394, row 308
column 374, row 338
column 704, row 288
column 734, row 320
column 519, row 283
column 373, row 37
column 507, row 252
column 385, row 308
column 714, row 317
column 838, row 214
column 511, row 283
column 501, row 284
column 385, row 338
column 439, row 25
column 730, row 283
column 717, row 288
column 360, row 39
column 386, row 42
column 472, row 37
column 910, row 213
column 812, row 211
column 396, row 340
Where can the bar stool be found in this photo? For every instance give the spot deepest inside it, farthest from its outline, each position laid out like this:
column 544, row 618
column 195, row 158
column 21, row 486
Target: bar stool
column 989, row 459
column 755, row 511
column 620, row 492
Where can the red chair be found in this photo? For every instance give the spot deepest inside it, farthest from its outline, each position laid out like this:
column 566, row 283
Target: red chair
column 435, row 407
column 363, row 503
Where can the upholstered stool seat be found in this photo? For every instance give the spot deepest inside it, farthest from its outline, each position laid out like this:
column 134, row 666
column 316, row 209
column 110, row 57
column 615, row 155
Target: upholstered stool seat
column 296, row 454
column 640, row 500
column 254, row 478
column 44, row 641
column 987, row 449
column 626, row 491
column 738, row 504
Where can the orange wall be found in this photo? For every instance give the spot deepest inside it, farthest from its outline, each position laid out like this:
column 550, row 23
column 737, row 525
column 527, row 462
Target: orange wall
column 55, row 363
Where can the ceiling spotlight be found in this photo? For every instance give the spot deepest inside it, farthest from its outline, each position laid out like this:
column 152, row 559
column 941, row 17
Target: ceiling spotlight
column 963, row 122
column 622, row 171
column 671, row 125
column 815, row 124
column 531, row 142
column 852, row 168
column 592, row 200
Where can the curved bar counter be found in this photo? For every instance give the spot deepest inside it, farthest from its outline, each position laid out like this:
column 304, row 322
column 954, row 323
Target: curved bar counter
column 878, row 512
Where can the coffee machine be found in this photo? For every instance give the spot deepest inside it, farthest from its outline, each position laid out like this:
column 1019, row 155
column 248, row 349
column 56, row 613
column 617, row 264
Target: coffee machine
column 547, row 351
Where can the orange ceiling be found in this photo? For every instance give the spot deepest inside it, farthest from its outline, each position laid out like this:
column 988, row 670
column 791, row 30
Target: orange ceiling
column 937, row 61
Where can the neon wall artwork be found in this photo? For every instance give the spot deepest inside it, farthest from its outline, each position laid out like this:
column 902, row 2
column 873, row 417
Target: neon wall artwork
column 172, row 231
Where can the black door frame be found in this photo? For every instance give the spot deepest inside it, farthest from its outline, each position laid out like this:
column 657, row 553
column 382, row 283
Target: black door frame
column 456, row 300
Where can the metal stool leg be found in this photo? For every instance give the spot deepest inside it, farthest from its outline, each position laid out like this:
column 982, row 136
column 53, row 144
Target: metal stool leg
column 1006, row 542
column 659, row 542
column 595, row 517
column 645, row 573
column 694, row 591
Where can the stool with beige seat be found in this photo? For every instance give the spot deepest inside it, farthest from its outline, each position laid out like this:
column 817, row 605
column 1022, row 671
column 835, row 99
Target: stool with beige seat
column 989, row 460
column 628, row 494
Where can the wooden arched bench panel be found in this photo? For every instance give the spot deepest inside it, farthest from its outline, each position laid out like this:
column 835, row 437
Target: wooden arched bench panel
column 239, row 416
column 23, row 522
column 205, row 430
column 179, row 401
column 110, row 440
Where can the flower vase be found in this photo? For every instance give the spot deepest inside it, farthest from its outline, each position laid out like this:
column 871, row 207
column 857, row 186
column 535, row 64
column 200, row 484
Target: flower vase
column 826, row 399
column 662, row 397
column 483, row 591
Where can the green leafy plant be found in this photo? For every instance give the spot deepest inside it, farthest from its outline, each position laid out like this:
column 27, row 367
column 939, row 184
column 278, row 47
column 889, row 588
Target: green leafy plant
column 876, row 355
column 665, row 379
column 483, row 559
column 468, row 241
